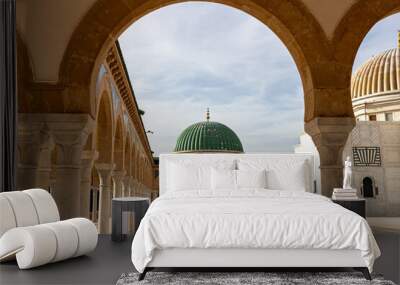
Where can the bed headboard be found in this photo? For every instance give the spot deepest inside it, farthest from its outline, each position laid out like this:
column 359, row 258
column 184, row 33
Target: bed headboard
column 201, row 158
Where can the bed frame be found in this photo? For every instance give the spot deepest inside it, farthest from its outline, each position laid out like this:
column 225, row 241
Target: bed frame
column 260, row 259
column 246, row 259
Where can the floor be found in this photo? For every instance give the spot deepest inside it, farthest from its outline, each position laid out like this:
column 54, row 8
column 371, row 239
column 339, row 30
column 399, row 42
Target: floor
column 110, row 260
column 103, row 266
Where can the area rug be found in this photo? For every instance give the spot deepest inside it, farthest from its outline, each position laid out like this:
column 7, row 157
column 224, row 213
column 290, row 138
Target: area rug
column 253, row 278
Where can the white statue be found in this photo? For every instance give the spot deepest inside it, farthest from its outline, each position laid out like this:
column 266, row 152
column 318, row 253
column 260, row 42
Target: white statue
column 347, row 173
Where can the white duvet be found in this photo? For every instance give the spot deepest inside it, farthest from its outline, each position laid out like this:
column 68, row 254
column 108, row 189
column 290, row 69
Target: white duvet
column 250, row 219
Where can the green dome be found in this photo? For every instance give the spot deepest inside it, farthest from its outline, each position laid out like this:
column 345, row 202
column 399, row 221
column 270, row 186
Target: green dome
column 208, row 137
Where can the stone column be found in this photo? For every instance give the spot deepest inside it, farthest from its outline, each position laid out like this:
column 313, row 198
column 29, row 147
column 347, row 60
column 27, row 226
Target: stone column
column 30, row 136
column 88, row 157
column 105, row 191
column 118, row 176
column 69, row 132
column 136, row 187
column 126, row 182
column 94, row 205
column 330, row 135
column 45, row 164
column 130, row 186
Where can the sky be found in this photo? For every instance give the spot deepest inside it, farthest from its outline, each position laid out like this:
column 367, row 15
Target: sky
column 187, row 57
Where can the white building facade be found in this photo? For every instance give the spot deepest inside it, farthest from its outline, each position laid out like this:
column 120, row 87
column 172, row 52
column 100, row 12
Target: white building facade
column 374, row 143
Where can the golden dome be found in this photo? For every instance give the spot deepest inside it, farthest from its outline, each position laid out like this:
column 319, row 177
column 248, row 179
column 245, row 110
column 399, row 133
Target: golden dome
column 379, row 74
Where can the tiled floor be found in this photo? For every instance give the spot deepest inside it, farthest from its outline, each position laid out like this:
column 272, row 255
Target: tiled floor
column 110, row 260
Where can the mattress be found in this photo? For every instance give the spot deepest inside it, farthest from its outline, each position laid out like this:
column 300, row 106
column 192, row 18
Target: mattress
column 250, row 219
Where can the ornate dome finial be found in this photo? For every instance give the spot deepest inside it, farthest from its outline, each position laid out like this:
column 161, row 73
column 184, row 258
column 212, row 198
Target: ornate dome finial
column 208, row 114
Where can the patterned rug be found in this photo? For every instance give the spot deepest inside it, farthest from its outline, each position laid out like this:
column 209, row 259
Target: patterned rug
column 253, row 278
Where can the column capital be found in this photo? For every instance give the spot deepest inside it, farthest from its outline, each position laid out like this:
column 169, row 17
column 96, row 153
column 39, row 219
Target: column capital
column 118, row 174
column 329, row 136
column 332, row 130
column 127, row 179
column 87, row 159
column 90, row 155
column 69, row 129
column 69, row 132
column 104, row 166
column 104, row 169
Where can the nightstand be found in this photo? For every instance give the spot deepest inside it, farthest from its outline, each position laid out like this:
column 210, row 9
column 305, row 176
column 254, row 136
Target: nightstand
column 355, row 205
column 137, row 205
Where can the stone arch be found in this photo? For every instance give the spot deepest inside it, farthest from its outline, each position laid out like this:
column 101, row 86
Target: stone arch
column 24, row 77
column 137, row 163
column 103, row 86
column 347, row 40
column 94, row 196
column 133, row 160
column 119, row 145
column 106, row 20
column 127, row 155
column 104, row 127
column 368, row 186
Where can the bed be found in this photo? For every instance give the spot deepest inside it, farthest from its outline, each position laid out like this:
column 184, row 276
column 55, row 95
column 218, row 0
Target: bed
column 246, row 211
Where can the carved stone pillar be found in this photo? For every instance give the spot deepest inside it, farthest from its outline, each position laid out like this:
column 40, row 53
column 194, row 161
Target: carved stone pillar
column 105, row 190
column 118, row 176
column 45, row 165
column 30, row 135
column 95, row 196
column 126, row 182
column 129, row 183
column 136, row 187
column 140, row 188
column 69, row 132
column 330, row 135
column 88, row 157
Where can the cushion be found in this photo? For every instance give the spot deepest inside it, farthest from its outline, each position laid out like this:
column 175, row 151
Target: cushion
column 187, row 175
column 282, row 174
column 223, row 179
column 7, row 220
column 45, row 205
column 183, row 178
column 23, row 208
column 87, row 233
column 251, row 178
column 67, row 240
column 33, row 246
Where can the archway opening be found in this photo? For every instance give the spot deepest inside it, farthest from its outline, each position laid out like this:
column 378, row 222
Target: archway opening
column 181, row 64
column 367, row 187
column 373, row 144
column 104, row 130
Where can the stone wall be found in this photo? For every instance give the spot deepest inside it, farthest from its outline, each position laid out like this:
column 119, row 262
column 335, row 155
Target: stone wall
column 386, row 136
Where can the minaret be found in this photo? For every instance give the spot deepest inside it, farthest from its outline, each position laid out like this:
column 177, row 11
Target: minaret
column 208, row 114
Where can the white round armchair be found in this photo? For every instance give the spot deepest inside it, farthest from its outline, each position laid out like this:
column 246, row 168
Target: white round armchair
column 31, row 230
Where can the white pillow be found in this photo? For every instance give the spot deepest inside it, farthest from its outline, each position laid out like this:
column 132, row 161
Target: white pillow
column 251, row 178
column 187, row 174
column 282, row 174
column 223, row 179
column 183, row 178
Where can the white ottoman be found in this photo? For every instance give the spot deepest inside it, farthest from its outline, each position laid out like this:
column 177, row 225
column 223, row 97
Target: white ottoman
column 31, row 232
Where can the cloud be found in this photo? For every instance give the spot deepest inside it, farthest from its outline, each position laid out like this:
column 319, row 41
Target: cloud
column 382, row 36
column 186, row 57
